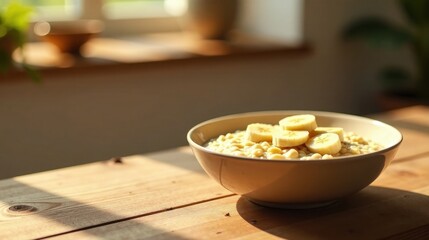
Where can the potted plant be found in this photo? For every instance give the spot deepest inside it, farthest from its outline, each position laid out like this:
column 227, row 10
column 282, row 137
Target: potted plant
column 380, row 33
column 14, row 23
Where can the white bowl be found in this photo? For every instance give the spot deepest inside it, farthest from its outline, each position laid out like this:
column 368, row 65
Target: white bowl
column 294, row 183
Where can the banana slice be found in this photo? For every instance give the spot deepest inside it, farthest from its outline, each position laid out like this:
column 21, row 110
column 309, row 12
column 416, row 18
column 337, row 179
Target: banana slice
column 339, row 131
column 325, row 143
column 286, row 138
column 304, row 122
column 259, row 132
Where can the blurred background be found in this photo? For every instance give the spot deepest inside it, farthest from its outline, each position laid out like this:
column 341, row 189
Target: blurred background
column 148, row 70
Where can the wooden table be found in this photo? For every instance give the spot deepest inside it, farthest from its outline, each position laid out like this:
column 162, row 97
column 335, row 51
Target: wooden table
column 166, row 195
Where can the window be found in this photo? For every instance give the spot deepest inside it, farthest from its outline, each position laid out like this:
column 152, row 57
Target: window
column 119, row 9
column 275, row 19
column 54, row 9
column 109, row 9
column 138, row 15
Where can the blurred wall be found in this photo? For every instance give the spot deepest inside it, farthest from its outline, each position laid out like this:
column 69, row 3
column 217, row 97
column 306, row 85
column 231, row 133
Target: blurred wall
column 90, row 116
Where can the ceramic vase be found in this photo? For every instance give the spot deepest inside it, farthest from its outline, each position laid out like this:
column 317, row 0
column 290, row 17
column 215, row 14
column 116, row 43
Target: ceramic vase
column 211, row 19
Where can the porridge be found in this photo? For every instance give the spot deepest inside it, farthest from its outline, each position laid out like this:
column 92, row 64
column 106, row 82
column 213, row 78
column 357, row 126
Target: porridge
column 295, row 137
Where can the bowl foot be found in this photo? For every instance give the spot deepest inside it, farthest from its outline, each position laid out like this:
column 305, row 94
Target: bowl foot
column 292, row 205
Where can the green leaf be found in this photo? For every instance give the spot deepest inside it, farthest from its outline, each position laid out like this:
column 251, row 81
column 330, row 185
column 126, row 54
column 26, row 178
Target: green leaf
column 5, row 61
column 3, row 31
column 417, row 11
column 14, row 23
column 16, row 16
column 377, row 32
column 33, row 74
column 395, row 78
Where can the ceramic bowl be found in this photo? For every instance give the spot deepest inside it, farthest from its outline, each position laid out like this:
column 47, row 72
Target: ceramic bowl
column 294, row 183
column 68, row 36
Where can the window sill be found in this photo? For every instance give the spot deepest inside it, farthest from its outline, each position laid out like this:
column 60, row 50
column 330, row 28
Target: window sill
column 149, row 49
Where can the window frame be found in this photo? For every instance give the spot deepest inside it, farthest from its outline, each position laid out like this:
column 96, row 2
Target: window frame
column 93, row 9
column 247, row 22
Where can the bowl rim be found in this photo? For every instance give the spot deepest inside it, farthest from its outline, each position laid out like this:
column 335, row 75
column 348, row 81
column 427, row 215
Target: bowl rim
column 273, row 112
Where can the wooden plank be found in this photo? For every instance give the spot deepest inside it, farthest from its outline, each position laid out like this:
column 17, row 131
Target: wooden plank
column 63, row 200
column 414, row 143
column 167, row 195
column 413, row 122
column 416, row 114
column 388, row 213
column 386, row 208
column 373, row 213
column 421, row 232
column 412, row 174
column 164, row 49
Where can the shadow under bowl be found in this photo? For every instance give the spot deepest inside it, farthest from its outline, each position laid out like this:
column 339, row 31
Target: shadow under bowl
column 294, row 183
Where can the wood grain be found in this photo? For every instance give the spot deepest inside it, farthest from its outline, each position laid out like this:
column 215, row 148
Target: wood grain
column 413, row 123
column 166, row 195
column 161, row 51
column 78, row 197
column 376, row 212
